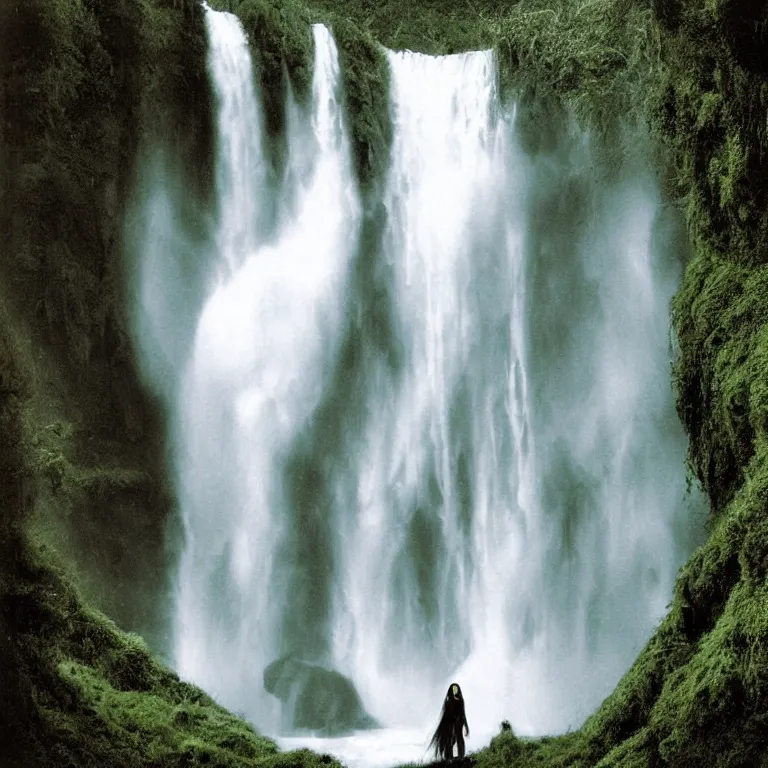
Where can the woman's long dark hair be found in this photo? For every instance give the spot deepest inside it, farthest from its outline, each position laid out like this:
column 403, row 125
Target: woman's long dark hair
column 452, row 719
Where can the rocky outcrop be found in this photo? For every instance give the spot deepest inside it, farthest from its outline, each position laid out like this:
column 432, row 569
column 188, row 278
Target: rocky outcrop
column 317, row 698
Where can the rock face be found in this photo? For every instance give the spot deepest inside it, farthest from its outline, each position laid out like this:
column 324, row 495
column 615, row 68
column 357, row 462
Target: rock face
column 321, row 699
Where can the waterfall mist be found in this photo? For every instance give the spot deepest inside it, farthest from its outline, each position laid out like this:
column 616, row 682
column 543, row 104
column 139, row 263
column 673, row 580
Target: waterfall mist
column 265, row 342
column 449, row 453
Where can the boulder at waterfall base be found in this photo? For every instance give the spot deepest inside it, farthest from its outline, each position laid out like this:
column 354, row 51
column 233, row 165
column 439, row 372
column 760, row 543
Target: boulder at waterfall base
column 322, row 700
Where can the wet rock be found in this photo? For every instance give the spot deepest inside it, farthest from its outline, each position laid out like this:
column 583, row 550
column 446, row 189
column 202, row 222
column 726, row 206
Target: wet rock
column 317, row 698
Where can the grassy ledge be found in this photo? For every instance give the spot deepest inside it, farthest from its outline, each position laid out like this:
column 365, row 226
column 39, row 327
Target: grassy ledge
column 95, row 696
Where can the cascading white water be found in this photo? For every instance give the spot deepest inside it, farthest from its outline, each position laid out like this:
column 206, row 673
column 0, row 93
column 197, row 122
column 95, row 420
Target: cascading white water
column 447, row 453
column 241, row 172
column 445, row 193
column 265, row 338
column 518, row 485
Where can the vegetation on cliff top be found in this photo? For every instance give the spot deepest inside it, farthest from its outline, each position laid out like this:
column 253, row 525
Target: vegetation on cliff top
column 695, row 71
column 280, row 37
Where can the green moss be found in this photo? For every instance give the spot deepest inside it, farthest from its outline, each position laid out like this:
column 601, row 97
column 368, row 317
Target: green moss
column 712, row 711
column 598, row 56
column 507, row 749
column 100, row 698
column 366, row 89
column 159, row 725
column 720, row 318
column 711, row 107
column 50, row 455
column 638, row 751
column 430, row 26
column 281, row 42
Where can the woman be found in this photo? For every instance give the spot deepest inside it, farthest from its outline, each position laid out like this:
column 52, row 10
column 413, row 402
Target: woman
column 453, row 720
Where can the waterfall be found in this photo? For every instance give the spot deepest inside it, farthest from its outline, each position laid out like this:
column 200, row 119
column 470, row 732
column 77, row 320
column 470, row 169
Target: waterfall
column 426, row 500
column 241, row 175
column 265, row 340
column 516, row 496
column 446, row 451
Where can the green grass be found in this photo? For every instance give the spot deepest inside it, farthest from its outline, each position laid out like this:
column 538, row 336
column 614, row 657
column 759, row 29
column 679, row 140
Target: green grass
column 99, row 696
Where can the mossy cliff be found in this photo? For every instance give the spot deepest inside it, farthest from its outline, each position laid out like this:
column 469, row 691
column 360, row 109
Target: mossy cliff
column 82, row 83
column 86, row 86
